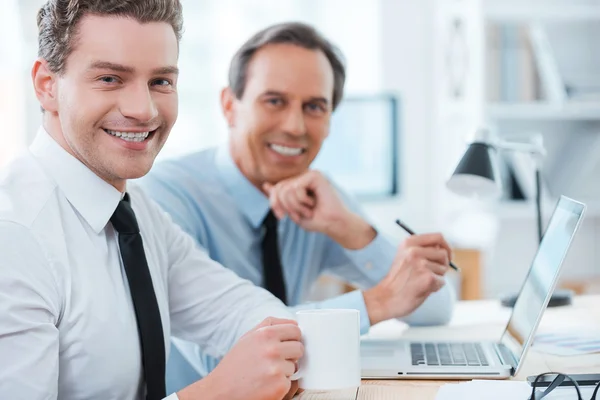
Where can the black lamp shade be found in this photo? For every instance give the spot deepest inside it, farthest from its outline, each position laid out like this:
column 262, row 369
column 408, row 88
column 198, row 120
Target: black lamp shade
column 476, row 175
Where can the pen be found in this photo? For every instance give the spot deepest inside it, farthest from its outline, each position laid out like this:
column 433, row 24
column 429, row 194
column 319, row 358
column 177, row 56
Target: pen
column 411, row 232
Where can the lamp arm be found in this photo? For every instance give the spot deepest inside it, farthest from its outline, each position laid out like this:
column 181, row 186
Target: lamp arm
column 532, row 148
column 538, row 204
column 537, row 152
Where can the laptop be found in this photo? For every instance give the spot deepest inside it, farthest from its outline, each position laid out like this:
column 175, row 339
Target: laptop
column 447, row 359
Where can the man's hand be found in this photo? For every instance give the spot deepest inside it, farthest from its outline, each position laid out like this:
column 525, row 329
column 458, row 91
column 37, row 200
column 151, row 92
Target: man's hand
column 417, row 271
column 312, row 203
column 258, row 367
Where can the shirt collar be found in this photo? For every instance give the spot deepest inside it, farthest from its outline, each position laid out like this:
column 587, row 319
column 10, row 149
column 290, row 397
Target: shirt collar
column 92, row 197
column 249, row 200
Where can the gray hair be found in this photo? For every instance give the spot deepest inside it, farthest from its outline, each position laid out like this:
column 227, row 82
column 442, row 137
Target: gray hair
column 295, row 33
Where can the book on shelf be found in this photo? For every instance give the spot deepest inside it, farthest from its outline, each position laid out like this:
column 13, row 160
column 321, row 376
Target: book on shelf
column 511, row 73
column 521, row 65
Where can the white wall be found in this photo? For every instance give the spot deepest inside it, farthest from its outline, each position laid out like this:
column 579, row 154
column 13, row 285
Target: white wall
column 12, row 113
column 407, row 32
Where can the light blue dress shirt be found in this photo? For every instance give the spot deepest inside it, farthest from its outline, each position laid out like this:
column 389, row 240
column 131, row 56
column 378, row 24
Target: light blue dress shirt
column 213, row 201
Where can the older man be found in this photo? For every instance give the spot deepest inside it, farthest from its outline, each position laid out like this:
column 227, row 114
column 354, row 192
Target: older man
column 257, row 206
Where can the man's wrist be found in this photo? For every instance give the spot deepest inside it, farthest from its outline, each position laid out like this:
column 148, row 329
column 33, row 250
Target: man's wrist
column 205, row 389
column 354, row 233
column 375, row 304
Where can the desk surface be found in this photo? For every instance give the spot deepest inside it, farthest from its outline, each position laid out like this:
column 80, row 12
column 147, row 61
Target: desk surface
column 479, row 320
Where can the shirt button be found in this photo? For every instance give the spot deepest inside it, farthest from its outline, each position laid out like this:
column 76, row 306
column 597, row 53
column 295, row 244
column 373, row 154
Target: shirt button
column 369, row 265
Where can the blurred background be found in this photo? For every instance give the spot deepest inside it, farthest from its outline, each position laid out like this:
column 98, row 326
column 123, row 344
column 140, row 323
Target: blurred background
column 423, row 77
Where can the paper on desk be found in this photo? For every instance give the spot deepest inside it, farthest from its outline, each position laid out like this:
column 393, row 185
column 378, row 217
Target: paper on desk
column 569, row 393
column 390, row 329
column 502, row 390
column 567, row 343
column 489, row 390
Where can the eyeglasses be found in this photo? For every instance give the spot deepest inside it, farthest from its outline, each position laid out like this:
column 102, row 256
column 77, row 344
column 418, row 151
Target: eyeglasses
column 556, row 382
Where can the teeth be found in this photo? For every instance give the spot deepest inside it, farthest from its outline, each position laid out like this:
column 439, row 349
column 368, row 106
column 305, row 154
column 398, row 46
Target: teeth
column 130, row 136
column 286, row 151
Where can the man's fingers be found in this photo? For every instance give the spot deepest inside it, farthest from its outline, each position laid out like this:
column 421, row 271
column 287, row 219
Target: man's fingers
column 292, row 350
column 439, row 283
column 283, row 332
column 292, row 204
column 267, row 187
column 433, row 254
column 276, row 205
column 270, row 321
column 429, row 240
column 289, row 367
column 438, row 269
column 429, row 283
column 303, row 195
column 293, row 391
column 302, row 201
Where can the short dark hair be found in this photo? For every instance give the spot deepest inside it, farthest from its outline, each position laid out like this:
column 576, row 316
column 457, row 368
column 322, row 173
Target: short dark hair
column 57, row 22
column 295, row 33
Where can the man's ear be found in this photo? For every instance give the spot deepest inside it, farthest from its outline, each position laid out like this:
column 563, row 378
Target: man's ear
column 228, row 106
column 44, row 84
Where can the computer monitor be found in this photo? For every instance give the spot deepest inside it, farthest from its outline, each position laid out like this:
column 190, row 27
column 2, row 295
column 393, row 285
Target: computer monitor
column 360, row 153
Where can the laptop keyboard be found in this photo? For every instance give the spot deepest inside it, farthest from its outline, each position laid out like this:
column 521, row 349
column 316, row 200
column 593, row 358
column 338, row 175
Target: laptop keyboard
column 451, row 354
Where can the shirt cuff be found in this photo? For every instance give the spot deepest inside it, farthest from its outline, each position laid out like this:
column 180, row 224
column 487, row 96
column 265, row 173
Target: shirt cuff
column 375, row 258
column 353, row 300
column 172, row 397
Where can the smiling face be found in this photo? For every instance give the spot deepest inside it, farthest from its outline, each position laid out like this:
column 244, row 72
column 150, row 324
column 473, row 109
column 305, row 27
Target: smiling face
column 116, row 101
column 278, row 126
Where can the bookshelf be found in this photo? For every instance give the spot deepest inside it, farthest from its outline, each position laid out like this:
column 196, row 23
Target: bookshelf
column 523, row 67
column 541, row 75
column 568, row 120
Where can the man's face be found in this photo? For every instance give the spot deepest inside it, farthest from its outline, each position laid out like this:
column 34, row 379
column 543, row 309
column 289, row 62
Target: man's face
column 279, row 124
column 116, row 101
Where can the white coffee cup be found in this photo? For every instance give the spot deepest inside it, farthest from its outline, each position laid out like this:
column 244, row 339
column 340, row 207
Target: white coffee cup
column 331, row 358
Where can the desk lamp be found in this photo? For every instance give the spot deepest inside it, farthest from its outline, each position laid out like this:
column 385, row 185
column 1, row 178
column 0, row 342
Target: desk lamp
column 477, row 175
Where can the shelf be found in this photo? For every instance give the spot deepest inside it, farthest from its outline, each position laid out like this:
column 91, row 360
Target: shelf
column 587, row 111
column 519, row 11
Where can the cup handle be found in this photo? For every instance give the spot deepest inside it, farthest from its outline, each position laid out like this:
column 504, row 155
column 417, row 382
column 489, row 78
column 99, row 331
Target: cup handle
column 298, row 374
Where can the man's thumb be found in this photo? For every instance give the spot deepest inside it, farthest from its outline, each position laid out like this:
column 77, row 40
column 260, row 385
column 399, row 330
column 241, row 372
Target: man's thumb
column 267, row 187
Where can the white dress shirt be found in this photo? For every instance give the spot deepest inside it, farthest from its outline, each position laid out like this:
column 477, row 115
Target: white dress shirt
column 67, row 324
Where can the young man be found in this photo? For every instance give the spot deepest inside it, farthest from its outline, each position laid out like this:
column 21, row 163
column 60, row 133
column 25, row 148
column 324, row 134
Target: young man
column 93, row 276
column 258, row 208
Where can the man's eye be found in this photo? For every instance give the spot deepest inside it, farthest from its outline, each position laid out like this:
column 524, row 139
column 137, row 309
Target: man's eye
column 274, row 101
column 161, row 82
column 108, row 79
column 315, row 107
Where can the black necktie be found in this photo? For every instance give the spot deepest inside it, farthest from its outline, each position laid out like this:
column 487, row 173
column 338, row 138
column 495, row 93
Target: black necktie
column 145, row 305
column 272, row 271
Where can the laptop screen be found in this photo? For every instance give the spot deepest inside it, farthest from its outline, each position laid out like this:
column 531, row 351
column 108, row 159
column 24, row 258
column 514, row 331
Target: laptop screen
column 543, row 274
